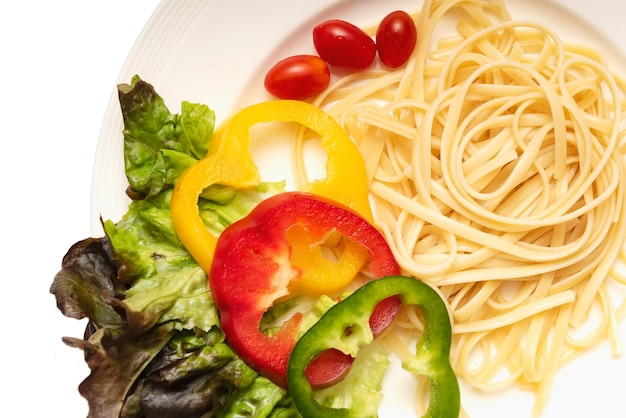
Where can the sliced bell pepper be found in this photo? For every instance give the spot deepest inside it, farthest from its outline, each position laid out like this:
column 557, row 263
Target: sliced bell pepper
column 252, row 268
column 229, row 162
column 345, row 327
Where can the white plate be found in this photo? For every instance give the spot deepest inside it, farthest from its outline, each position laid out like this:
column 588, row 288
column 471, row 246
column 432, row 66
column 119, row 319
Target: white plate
column 216, row 52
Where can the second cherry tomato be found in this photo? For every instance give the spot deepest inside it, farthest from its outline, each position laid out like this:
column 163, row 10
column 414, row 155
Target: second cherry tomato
column 344, row 45
column 298, row 77
column 396, row 37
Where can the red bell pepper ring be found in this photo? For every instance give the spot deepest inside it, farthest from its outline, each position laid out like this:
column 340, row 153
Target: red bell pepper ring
column 251, row 269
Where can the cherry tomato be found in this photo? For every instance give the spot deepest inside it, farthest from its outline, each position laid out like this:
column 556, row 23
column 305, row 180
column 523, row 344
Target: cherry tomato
column 396, row 37
column 297, row 77
column 344, row 45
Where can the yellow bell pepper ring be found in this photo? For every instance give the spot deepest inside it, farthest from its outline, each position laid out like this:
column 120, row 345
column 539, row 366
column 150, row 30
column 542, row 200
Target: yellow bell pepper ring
column 230, row 163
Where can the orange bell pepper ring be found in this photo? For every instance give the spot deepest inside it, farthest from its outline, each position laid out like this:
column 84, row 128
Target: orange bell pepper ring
column 230, row 163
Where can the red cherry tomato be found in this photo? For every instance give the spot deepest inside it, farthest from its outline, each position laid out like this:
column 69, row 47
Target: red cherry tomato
column 396, row 37
column 344, row 45
column 297, row 77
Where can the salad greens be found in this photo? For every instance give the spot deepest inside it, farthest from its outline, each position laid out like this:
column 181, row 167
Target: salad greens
column 153, row 340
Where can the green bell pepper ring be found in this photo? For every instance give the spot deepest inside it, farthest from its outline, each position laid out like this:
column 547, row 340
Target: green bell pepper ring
column 345, row 327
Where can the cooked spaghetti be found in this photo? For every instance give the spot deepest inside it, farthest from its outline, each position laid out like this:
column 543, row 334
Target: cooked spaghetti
column 497, row 174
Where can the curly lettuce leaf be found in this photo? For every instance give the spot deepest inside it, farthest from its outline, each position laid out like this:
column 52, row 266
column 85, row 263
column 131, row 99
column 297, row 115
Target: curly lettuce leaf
column 116, row 364
column 166, row 284
column 86, row 281
column 196, row 374
column 220, row 206
column 256, row 400
column 159, row 145
column 361, row 389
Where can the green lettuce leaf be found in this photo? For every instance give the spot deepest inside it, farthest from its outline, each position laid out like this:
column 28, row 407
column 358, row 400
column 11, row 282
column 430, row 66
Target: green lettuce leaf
column 220, row 206
column 159, row 145
column 361, row 389
column 166, row 284
column 260, row 399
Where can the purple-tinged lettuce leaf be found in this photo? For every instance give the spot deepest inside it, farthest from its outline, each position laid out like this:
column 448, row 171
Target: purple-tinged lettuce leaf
column 195, row 375
column 116, row 362
column 86, row 281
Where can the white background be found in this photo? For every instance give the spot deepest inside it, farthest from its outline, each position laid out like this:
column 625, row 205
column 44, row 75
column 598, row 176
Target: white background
column 58, row 66
column 59, row 61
